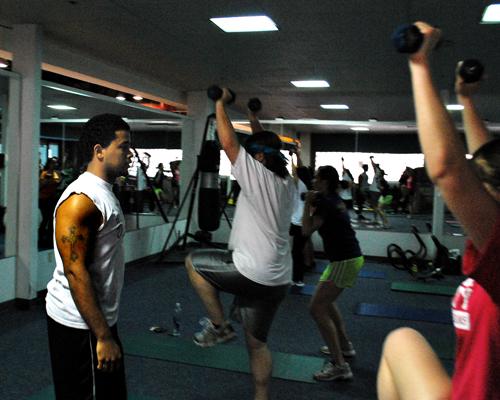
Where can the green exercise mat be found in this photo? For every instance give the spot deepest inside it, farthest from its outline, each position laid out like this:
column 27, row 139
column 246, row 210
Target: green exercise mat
column 48, row 394
column 224, row 356
column 427, row 288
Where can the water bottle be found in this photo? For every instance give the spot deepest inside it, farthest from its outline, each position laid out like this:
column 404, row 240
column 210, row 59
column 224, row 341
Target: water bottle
column 176, row 319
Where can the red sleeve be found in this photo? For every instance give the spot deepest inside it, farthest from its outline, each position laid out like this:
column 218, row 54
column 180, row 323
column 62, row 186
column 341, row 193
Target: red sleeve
column 484, row 266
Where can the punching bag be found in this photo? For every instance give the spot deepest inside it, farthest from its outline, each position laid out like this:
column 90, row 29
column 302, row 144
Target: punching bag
column 209, row 207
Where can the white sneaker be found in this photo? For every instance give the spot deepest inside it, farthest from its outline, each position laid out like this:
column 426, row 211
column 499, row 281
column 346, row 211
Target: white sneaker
column 210, row 336
column 333, row 372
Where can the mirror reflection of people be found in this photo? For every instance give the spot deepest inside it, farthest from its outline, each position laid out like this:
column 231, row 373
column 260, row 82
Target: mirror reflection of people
column 50, row 179
column 83, row 297
column 176, row 181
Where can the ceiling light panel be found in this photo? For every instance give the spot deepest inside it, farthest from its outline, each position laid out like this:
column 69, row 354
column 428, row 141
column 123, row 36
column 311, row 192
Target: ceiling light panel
column 61, row 107
column 310, row 84
column 258, row 23
column 335, row 106
column 491, row 14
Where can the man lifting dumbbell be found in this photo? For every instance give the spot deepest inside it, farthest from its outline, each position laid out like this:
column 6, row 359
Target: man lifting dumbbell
column 256, row 268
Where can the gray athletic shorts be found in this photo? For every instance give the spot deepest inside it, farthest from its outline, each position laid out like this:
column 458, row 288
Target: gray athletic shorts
column 254, row 304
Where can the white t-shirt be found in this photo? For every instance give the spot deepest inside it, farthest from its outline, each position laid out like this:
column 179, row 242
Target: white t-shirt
column 107, row 267
column 298, row 207
column 259, row 238
column 346, row 194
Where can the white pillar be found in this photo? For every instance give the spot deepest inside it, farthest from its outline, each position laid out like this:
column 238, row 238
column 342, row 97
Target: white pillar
column 11, row 128
column 27, row 59
column 305, row 140
column 193, row 128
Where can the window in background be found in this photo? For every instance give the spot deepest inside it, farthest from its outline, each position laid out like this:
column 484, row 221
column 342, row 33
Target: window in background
column 392, row 164
column 53, row 150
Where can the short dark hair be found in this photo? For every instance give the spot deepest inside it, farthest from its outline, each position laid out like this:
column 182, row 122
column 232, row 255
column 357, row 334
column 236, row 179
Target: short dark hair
column 330, row 174
column 101, row 130
column 487, row 163
column 269, row 144
column 365, row 167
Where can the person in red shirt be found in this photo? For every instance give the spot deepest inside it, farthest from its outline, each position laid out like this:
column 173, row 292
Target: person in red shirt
column 409, row 368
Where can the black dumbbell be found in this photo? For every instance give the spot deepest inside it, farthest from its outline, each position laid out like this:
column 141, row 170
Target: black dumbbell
column 407, row 38
column 471, row 70
column 214, row 92
column 254, row 105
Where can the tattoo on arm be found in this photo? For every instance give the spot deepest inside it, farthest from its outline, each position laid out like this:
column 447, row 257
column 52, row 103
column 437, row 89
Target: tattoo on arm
column 72, row 239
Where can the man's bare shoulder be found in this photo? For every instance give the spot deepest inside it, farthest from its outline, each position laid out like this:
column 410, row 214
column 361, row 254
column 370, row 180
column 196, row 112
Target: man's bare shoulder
column 79, row 208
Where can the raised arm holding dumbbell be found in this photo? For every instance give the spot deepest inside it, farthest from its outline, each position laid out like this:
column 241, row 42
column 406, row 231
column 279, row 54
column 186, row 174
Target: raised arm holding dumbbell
column 409, row 368
column 254, row 106
column 476, row 133
column 227, row 136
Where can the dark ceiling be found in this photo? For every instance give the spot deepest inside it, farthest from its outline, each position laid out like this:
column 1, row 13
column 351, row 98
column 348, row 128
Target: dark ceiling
column 346, row 42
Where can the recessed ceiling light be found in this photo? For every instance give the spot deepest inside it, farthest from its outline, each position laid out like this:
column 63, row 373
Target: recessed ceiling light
column 66, row 90
column 3, row 63
column 360, row 128
column 454, row 107
column 138, row 98
column 61, row 107
column 310, row 84
column 163, row 122
column 335, row 106
column 257, row 23
column 491, row 14
column 120, row 97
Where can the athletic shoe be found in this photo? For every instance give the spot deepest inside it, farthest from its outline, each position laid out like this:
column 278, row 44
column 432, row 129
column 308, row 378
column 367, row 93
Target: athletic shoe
column 332, row 372
column 298, row 283
column 210, row 335
column 347, row 352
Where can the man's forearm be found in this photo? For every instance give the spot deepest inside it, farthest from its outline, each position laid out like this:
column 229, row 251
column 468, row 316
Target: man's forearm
column 85, row 299
column 255, row 124
column 225, row 130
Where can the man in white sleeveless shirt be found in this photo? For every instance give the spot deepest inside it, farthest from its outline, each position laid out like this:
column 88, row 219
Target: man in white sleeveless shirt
column 83, row 296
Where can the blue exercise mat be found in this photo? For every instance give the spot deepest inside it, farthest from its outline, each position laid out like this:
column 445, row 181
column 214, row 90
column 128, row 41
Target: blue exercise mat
column 408, row 313
column 364, row 273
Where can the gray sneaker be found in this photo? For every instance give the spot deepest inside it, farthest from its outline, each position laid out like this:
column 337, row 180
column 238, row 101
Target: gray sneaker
column 346, row 352
column 210, row 336
column 332, row 372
